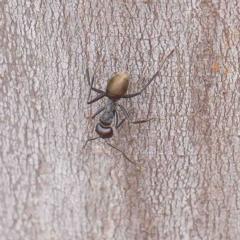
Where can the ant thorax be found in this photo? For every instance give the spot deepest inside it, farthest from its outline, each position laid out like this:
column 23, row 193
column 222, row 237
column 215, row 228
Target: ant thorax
column 107, row 116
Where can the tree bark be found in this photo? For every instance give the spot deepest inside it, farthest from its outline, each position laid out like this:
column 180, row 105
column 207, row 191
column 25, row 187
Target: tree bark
column 185, row 183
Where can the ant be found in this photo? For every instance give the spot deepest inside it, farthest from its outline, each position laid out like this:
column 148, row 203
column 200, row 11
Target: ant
column 116, row 88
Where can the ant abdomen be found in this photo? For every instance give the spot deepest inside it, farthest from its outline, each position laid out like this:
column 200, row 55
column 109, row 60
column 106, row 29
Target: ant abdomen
column 117, row 86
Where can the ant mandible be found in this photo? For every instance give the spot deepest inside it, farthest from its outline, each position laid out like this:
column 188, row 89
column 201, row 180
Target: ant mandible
column 116, row 88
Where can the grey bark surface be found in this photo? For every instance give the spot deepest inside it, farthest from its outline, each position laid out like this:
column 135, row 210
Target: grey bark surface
column 185, row 183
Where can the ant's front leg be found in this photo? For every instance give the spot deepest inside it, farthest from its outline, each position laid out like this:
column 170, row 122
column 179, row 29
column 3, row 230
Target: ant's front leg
column 117, row 125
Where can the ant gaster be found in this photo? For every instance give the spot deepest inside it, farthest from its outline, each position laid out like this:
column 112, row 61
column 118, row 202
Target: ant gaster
column 116, row 89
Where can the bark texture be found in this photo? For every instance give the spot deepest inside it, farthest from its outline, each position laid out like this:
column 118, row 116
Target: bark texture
column 185, row 184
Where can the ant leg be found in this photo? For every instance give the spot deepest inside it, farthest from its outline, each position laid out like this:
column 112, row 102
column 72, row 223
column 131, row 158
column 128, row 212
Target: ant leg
column 138, row 93
column 90, row 139
column 153, row 77
column 97, row 112
column 117, row 125
column 89, row 83
column 115, row 118
column 102, row 94
column 122, row 121
column 119, row 151
column 130, row 120
column 97, row 98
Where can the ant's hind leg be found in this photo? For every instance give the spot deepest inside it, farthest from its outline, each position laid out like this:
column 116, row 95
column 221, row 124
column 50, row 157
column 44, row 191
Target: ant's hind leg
column 138, row 93
column 151, row 79
column 89, row 83
column 96, row 98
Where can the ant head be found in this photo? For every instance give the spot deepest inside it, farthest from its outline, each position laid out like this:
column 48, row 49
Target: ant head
column 104, row 132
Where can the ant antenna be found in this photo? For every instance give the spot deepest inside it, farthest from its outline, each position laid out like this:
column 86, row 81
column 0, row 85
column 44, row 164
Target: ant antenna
column 90, row 139
column 119, row 151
